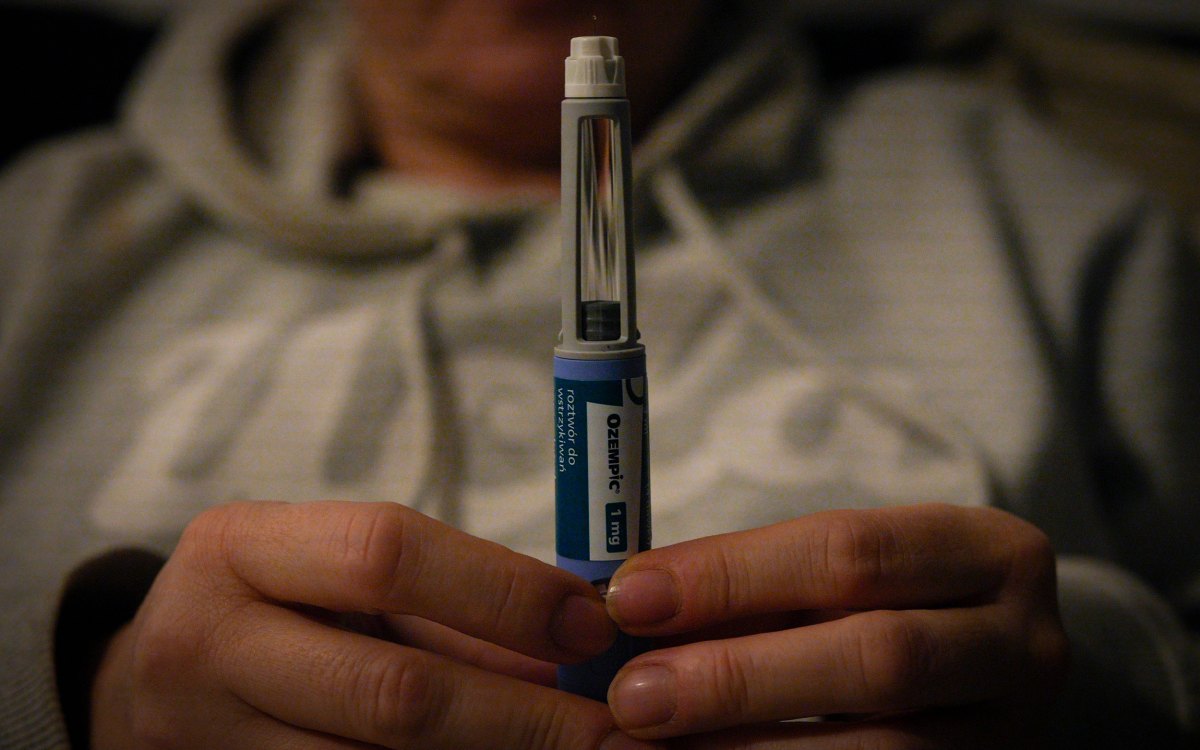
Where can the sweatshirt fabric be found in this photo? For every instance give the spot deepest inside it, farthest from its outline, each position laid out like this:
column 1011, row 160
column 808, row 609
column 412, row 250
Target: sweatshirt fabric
column 913, row 292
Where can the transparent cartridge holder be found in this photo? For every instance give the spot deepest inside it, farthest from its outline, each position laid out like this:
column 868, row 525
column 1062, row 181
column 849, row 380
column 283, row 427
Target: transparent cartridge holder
column 599, row 311
column 601, row 230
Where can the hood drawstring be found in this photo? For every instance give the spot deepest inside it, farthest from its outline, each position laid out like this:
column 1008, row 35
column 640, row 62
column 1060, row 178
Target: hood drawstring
column 688, row 218
column 433, row 417
column 404, row 357
column 401, row 369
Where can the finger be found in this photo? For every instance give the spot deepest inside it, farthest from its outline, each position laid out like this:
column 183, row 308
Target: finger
column 917, row 556
column 752, row 625
column 867, row 663
column 439, row 639
column 265, row 732
column 383, row 557
column 345, row 684
column 982, row 727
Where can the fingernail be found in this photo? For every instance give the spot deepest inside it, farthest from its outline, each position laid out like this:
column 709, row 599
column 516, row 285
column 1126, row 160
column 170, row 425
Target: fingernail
column 643, row 697
column 582, row 625
column 643, row 598
column 619, row 741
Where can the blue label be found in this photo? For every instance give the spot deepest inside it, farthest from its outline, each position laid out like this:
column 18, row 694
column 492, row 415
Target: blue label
column 601, row 467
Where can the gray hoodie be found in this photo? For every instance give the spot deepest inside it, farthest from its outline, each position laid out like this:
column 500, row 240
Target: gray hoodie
column 912, row 293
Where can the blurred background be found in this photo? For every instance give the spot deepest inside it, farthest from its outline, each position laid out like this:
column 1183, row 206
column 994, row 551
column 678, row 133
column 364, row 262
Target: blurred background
column 65, row 62
column 1123, row 76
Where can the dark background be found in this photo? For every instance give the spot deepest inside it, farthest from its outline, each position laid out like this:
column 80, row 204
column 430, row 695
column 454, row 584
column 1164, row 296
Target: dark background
column 63, row 69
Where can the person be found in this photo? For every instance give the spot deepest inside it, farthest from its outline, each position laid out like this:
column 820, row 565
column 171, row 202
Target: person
column 275, row 364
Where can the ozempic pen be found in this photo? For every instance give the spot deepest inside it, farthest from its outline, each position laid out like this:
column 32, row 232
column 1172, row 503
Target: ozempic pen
column 602, row 470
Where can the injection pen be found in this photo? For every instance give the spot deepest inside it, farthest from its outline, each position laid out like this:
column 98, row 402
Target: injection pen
column 602, row 477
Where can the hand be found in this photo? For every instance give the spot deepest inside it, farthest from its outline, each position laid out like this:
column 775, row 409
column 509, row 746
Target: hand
column 243, row 641
column 914, row 627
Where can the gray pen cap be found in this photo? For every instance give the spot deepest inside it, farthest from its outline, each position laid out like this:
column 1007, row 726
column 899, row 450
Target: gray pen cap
column 595, row 70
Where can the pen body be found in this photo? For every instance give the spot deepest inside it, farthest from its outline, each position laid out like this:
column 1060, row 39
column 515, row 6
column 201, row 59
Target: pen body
column 602, row 473
column 602, row 487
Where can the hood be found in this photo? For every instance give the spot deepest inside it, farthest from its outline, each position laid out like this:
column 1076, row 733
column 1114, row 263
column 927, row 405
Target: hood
column 233, row 105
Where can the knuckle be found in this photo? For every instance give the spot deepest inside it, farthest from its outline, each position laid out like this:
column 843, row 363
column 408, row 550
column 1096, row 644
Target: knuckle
column 730, row 686
column 178, row 628
column 724, row 582
column 168, row 642
column 568, row 725
column 206, row 534
column 172, row 647
column 515, row 602
column 209, row 542
column 399, row 698
column 507, row 611
column 714, row 687
column 374, row 548
column 157, row 653
column 891, row 656
column 557, row 727
column 855, row 554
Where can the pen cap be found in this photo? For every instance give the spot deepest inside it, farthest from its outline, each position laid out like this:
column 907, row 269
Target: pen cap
column 594, row 69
